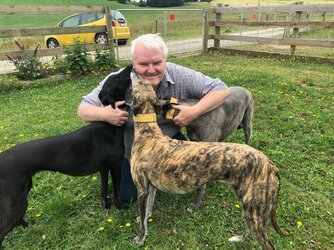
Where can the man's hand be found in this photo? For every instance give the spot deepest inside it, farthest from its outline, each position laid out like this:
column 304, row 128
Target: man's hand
column 116, row 116
column 185, row 116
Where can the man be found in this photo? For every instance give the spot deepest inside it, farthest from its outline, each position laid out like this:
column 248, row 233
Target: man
column 149, row 58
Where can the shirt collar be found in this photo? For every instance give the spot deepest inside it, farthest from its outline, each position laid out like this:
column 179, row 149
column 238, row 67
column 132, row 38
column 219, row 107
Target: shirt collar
column 167, row 79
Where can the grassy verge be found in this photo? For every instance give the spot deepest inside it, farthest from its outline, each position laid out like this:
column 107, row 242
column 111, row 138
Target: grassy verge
column 293, row 125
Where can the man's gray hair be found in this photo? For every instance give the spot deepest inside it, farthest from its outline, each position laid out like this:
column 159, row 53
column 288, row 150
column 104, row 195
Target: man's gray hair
column 152, row 41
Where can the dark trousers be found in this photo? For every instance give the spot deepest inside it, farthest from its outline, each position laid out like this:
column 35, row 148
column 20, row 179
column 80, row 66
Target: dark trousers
column 128, row 190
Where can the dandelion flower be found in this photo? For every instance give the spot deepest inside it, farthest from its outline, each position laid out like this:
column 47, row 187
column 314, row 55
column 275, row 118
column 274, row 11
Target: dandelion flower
column 150, row 220
column 38, row 215
column 109, row 220
column 101, row 229
column 121, row 227
column 128, row 224
column 94, row 178
column 299, row 223
column 237, row 206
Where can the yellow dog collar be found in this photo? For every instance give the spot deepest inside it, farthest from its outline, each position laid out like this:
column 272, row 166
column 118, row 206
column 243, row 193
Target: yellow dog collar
column 145, row 118
column 171, row 112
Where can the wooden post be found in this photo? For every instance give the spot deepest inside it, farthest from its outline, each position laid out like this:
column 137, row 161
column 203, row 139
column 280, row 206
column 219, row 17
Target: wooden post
column 295, row 32
column 109, row 28
column 216, row 42
column 205, row 32
column 287, row 29
column 324, row 16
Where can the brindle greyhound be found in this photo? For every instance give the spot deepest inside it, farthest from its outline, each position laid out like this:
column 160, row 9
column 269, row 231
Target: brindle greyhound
column 216, row 125
column 159, row 162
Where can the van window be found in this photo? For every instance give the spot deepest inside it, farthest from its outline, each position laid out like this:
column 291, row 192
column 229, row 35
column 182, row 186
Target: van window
column 88, row 18
column 99, row 16
column 71, row 22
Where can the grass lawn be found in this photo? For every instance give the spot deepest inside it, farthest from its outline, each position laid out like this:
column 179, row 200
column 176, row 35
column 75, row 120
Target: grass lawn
column 293, row 125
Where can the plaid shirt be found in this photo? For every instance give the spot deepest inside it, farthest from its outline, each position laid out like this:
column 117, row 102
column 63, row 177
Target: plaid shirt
column 179, row 82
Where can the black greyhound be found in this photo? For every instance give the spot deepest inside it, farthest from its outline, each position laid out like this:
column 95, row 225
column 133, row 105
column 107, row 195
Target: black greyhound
column 97, row 147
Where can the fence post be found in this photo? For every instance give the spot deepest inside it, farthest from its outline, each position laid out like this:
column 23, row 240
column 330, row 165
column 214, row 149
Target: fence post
column 295, row 32
column 109, row 28
column 216, row 43
column 205, row 32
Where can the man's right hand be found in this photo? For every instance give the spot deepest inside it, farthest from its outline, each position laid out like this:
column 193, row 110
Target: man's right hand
column 114, row 116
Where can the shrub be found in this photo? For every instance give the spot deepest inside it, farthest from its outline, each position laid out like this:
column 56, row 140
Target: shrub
column 77, row 60
column 28, row 64
column 60, row 65
column 104, row 60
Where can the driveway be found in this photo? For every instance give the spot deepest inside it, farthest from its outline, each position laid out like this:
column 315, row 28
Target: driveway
column 175, row 47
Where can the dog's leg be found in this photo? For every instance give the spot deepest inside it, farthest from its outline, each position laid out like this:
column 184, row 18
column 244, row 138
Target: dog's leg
column 142, row 205
column 247, row 122
column 198, row 201
column 11, row 217
column 104, row 188
column 115, row 173
column 22, row 223
column 150, row 200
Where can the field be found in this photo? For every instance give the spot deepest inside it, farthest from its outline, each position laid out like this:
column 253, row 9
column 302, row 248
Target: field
column 293, row 125
column 267, row 2
column 187, row 24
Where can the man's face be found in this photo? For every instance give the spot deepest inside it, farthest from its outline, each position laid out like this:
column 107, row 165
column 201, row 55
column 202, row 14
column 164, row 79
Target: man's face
column 150, row 64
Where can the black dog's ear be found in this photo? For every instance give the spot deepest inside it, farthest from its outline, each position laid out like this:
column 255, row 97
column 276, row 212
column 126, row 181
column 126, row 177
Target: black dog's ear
column 104, row 97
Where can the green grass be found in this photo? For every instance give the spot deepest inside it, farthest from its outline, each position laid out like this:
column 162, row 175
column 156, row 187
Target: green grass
column 293, row 125
column 268, row 2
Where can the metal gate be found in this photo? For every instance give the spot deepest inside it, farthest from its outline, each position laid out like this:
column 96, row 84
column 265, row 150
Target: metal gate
column 182, row 29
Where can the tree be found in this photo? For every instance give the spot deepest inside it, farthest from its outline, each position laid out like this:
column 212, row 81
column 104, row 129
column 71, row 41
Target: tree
column 164, row 3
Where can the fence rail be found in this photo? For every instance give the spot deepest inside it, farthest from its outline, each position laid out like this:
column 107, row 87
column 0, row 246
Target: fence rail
column 28, row 9
column 290, row 17
column 296, row 17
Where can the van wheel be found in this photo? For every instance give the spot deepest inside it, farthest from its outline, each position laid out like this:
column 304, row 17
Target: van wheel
column 52, row 43
column 101, row 38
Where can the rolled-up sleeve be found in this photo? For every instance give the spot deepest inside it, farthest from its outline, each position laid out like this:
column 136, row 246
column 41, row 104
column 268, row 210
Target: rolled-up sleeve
column 190, row 84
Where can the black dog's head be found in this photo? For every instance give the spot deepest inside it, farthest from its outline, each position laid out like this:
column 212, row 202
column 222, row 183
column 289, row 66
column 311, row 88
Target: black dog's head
column 115, row 87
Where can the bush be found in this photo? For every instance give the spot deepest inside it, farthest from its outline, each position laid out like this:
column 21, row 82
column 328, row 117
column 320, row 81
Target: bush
column 77, row 60
column 104, row 60
column 28, row 64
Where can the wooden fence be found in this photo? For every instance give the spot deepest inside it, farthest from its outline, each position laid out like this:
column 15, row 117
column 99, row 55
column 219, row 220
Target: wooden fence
column 28, row 9
column 292, row 17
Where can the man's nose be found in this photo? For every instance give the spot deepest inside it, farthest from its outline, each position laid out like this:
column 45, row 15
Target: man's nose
column 151, row 68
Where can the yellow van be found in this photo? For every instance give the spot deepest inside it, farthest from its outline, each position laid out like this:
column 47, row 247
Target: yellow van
column 90, row 19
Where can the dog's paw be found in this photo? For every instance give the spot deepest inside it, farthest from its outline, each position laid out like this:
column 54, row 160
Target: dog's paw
column 139, row 240
column 194, row 207
column 121, row 205
column 236, row 238
column 106, row 204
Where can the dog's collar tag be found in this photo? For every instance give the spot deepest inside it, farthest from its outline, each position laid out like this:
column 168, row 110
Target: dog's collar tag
column 170, row 113
column 145, row 118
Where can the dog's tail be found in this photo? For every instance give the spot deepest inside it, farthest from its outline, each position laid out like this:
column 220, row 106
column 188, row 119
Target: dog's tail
column 273, row 218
